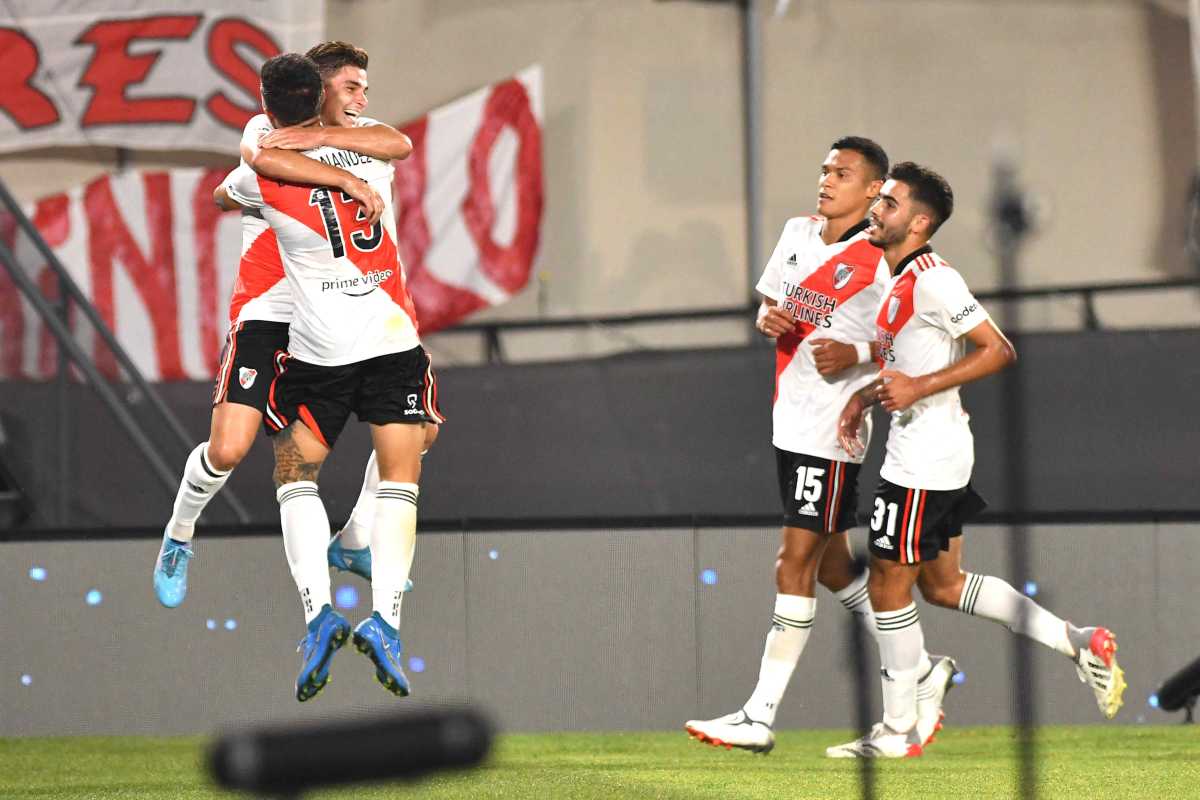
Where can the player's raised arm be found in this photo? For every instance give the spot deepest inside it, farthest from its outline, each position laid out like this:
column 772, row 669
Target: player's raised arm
column 375, row 140
column 291, row 167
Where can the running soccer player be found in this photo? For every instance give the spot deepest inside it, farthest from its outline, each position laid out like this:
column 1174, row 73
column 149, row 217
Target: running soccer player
column 353, row 347
column 261, row 309
column 821, row 287
column 924, row 321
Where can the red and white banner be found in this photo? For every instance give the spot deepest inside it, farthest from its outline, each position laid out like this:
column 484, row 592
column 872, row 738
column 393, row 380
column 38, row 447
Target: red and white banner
column 131, row 73
column 158, row 259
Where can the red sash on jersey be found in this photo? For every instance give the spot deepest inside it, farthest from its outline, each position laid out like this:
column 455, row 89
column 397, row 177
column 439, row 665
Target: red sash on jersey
column 896, row 310
column 863, row 258
column 259, row 269
column 296, row 202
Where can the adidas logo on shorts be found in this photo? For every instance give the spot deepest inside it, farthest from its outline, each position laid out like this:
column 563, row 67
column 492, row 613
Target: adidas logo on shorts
column 809, row 509
column 884, row 542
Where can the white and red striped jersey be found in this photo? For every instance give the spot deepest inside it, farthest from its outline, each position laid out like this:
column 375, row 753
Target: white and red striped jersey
column 260, row 291
column 832, row 290
column 347, row 284
column 922, row 318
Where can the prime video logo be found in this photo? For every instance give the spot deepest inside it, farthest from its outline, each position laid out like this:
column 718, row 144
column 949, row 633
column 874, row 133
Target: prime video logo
column 369, row 279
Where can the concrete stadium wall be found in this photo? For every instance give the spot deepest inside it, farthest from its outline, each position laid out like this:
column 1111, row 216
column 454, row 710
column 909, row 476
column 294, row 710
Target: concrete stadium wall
column 643, row 144
column 1110, row 429
column 548, row 630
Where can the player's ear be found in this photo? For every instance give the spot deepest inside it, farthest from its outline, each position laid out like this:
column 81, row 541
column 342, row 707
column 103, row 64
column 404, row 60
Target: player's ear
column 873, row 189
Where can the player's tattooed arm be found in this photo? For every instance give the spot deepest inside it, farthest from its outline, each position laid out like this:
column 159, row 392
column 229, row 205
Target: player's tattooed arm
column 290, row 463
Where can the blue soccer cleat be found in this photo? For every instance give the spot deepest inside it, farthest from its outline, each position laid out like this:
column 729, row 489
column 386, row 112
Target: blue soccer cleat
column 170, row 571
column 380, row 642
column 327, row 632
column 346, row 559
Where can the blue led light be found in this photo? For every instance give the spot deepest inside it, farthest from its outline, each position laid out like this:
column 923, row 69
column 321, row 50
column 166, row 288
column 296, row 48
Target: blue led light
column 1153, row 701
column 93, row 597
column 26, row 680
column 960, row 678
column 709, row 577
column 346, row 597
column 1031, row 589
column 493, row 554
column 231, row 624
column 416, row 664
column 37, row 573
column 211, row 624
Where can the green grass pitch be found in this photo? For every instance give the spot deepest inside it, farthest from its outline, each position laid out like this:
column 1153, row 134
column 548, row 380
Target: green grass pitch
column 1124, row 761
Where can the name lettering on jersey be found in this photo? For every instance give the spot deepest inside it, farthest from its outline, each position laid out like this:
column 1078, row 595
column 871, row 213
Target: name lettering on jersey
column 368, row 280
column 345, row 158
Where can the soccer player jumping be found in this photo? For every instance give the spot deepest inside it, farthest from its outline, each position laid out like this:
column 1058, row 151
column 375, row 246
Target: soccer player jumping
column 353, row 347
column 924, row 320
column 261, row 308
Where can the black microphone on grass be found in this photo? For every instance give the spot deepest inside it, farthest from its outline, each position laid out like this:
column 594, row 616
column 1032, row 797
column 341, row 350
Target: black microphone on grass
column 1181, row 690
column 284, row 760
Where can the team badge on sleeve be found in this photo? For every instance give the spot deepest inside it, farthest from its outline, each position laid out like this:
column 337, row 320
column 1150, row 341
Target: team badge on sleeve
column 246, row 377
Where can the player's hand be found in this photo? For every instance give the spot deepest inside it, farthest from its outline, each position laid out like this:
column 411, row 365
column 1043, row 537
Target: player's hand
column 367, row 197
column 898, row 391
column 848, row 425
column 293, row 138
column 832, row 357
column 773, row 321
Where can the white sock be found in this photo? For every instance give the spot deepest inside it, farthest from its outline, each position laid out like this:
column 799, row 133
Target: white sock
column 393, row 546
column 357, row 533
column 305, row 538
column 991, row 598
column 785, row 642
column 857, row 601
column 901, row 643
column 201, row 481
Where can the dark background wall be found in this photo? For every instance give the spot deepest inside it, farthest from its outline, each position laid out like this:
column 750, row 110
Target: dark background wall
column 1111, row 428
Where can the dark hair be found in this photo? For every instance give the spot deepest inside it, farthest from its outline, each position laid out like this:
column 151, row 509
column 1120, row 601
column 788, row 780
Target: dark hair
column 927, row 188
column 291, row 88
column 332, row 56
column 869, row 150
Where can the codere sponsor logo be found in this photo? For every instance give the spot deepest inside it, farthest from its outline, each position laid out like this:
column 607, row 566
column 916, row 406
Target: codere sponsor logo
column 966, row 312
column 886, row 341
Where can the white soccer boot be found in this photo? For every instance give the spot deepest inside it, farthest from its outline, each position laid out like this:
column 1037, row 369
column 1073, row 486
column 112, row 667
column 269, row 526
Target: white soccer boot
column 881, row 742
column 733, row 730
column 1096, row 664
column 931, row 694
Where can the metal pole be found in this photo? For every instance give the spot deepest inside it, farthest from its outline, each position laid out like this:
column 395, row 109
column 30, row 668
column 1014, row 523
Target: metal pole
column 752, row 140
column 62, row 406
column 1012, row 223
column 135, row 376
column 47, row 312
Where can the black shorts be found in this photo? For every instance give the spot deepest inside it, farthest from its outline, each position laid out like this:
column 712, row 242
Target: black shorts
column 818, row 494
column 915, row 525
column 249, row 362
column 398, row 387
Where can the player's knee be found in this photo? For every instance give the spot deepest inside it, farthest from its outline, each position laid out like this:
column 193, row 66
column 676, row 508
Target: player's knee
column 224, row 454
column 944, row 593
